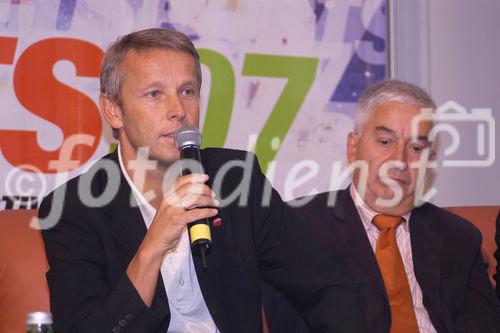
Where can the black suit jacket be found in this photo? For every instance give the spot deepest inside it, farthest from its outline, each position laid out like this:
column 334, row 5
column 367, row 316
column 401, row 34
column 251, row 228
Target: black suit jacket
column 90, row 248
column 447, row 261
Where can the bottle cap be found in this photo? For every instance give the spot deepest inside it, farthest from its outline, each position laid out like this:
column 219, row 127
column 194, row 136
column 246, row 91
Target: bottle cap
column 39, row 318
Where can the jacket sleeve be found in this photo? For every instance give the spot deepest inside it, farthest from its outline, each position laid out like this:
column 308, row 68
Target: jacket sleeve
column 81, row 296
column 481, row 310
column 289, row 259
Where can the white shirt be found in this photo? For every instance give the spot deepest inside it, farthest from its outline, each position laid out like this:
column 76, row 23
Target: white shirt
column 188, row 310
column 404, row 245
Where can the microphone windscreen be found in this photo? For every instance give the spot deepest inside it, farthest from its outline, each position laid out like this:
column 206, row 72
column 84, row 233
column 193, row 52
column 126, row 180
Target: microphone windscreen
column 187, row 136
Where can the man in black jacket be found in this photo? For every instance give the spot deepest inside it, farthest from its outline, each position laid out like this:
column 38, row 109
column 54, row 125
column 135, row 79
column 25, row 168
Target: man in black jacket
column 119, row 252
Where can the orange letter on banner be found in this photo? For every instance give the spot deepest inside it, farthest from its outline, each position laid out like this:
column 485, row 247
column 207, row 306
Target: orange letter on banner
column 39, row 92
column 7, row 49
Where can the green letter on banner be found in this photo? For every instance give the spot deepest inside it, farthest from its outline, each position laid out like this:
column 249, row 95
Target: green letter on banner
column 220, row 100
column 300, row 72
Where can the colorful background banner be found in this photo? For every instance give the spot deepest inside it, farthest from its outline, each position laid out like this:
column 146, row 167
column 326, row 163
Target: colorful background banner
column 280, row 77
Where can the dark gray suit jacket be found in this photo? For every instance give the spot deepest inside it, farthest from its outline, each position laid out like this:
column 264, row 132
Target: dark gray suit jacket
column 446, row 257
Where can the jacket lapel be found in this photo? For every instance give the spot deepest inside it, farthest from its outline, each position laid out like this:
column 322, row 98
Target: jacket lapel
column 128, row 227
column 350, row 230
column 425, row 244
column 207, row 279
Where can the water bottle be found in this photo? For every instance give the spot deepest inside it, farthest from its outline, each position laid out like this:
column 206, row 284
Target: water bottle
column 39, row 322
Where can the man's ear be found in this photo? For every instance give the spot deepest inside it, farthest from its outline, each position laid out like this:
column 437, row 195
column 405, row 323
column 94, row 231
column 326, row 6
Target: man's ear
column 111, row 111
column 352, row 147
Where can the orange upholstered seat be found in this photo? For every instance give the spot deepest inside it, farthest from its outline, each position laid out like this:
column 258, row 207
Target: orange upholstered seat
column 23, row 287
column 484, row 218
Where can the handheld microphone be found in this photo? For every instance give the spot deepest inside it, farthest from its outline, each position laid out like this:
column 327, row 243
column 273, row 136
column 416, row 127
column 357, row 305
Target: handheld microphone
column 188, row 140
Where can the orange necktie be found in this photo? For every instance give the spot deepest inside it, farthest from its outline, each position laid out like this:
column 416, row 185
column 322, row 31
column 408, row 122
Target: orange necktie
column 394, row 274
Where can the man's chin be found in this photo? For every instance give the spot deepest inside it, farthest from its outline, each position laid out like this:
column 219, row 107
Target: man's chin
column 165, row 157
column 386, row 193
column 391, row 206
column 385, row 202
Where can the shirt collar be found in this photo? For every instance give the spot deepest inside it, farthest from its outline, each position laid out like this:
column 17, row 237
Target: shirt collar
column 147, row 210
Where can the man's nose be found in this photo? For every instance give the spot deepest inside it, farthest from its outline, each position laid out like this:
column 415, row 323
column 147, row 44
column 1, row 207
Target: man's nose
column 400, row 154
column 175, row 108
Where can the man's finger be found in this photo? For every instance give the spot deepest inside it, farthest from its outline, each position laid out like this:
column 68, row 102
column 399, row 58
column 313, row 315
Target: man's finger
column 193, row 201
column 200, row 213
